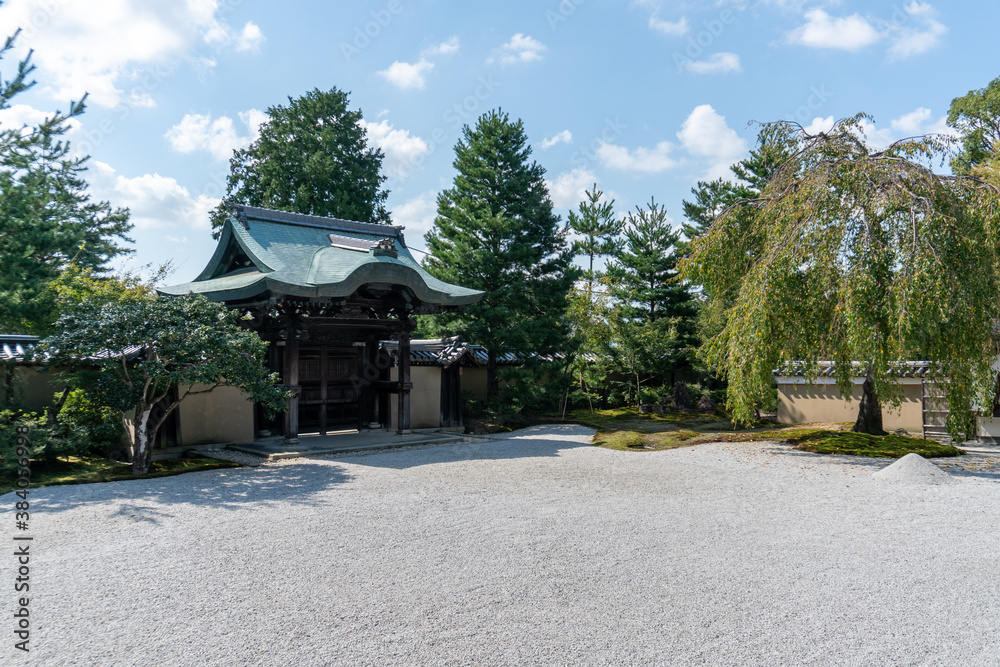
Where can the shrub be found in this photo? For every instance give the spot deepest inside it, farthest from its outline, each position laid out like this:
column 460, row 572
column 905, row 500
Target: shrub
column 100, row 424
column 45, row 441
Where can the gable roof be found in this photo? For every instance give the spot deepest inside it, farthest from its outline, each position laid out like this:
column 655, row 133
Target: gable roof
column 264, row 253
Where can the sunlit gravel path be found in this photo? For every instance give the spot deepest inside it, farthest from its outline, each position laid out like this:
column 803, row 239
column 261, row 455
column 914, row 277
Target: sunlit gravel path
column 533, row 549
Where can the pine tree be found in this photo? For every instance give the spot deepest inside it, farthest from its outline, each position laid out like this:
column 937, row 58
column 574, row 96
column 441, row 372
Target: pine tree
column 600, row 230
column 495, row 231
column 47, row 219
column 588, row 312
column 643, row 276
column 644, row 280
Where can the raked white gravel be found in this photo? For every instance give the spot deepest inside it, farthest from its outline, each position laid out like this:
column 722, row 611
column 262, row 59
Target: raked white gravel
column 531, row 549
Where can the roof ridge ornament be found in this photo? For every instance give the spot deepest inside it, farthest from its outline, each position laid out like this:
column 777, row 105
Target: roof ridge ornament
column 384, row 248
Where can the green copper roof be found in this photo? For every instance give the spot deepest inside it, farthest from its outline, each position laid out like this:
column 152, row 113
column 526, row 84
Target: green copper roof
column 264, row 253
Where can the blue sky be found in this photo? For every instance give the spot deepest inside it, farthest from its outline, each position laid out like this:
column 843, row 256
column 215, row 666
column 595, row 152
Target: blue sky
column 644, row 98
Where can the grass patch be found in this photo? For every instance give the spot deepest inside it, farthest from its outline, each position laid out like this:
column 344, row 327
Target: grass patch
column 861, row 444
column 92, row 469
column 626, row 429
column 632, row 440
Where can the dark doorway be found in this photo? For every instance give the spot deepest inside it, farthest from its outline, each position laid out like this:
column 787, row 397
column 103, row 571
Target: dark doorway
column 329, row 398
column 451, row 396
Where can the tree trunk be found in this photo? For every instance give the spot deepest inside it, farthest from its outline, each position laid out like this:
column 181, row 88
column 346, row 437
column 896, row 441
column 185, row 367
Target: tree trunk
column 870, row 411
column 52, row 413
column 142, row 443
column 492, row 383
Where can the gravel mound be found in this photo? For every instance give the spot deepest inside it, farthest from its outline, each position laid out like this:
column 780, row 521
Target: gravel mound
column 914, row 469
column 533, row 549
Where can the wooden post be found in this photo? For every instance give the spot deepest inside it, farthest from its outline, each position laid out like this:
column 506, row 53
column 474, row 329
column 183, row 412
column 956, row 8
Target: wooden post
column 291, row 363
column 403, row 420
column 369, row 374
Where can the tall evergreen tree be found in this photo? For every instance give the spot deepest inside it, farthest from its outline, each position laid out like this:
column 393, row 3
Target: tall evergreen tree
column 47, row 219
column 311, row 157
column 644, row 276
column 653, row 304
column 655, row 310
column 600, row 230
column 495, row 231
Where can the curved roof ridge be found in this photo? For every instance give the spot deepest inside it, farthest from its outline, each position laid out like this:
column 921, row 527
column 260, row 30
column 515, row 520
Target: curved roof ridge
column 333, row 224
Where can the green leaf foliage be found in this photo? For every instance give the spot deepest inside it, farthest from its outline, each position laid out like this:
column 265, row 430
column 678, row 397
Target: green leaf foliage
column 47, row 219
column 855, row 255
column 976, row 115
column 495, row 231
column 312, row 157
column 144, row 348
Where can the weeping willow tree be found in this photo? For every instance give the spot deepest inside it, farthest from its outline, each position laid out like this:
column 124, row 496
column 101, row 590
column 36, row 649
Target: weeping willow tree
column 863, row 257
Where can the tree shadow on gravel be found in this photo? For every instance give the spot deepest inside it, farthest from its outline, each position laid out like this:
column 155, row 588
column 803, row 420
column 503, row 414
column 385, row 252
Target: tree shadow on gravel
column 549, row 440
column 230, row 488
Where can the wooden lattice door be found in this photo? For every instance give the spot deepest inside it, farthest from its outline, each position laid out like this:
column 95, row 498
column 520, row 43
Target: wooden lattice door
column 329, row 399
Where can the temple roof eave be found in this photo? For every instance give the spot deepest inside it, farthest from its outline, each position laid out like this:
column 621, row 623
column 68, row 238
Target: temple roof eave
column 292, row 257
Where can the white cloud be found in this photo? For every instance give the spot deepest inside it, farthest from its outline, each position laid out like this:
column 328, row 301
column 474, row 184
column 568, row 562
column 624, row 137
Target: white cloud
column 106, row 46
column 910, row 123
column 910, row 31
column 915, row 123
column 564, row 137
column 646, row 160
column 705, row 134
column 155, row 201
column 819, row 124
column 908, row 40
column 445, row 48
column 417, row 215
column 253, row 119
column 403, row 151
column 674, row 29
column 570, row 188
column 876, row 137
column 250, row 38
column 21, row 115
column 850, row 33
column 717, row 63
column 407, row 75
column 218, row 136
column 520, row 49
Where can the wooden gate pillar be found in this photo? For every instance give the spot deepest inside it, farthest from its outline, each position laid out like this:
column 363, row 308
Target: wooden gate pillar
column 291, row 364
column 403, row 420
column 369, row 375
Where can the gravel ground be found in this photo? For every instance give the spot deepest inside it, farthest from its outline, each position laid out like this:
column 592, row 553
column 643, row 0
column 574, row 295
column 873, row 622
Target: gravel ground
column 531, row 549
